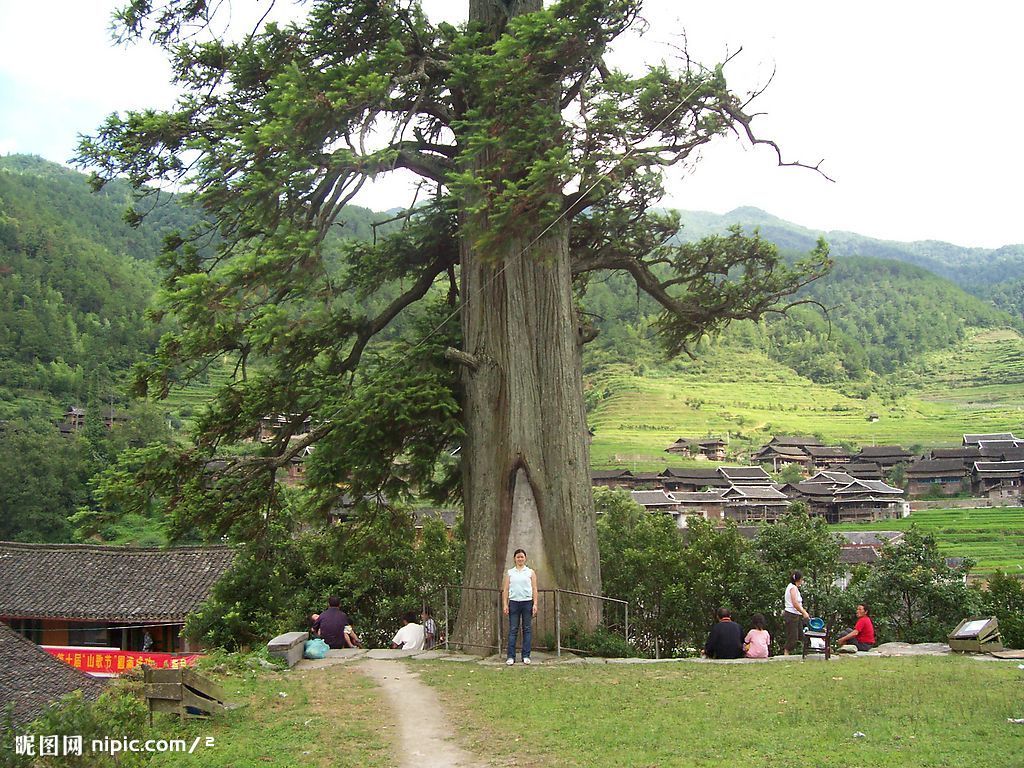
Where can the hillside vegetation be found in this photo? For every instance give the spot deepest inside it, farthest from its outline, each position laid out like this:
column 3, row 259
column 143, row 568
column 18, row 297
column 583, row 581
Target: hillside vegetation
column 930, row 360
column 744, row 396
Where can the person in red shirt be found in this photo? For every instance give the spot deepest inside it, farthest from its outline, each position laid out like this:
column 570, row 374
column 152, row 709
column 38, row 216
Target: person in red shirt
column 863, row 633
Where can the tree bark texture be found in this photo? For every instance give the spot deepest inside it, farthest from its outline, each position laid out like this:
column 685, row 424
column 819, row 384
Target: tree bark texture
column 527, row 484
column 526, row 476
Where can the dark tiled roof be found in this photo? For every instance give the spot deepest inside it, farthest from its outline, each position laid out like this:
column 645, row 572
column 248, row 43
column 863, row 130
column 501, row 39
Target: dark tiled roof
column 857, row 555
column 652, row 498
column 936, row 467
column 797, row 440
column 445, row 515
column 827, row 451
column 96, row 583
column 754, row 492
column 883, row 451
column 687, row 473
column 864, row 470
column 610, row 474
column 31, row 679
column 785, row 451
column 745, row 473
column 975, row 439
column 964, row 452
column 697, row 496
column 811, row 490
column 870, row 538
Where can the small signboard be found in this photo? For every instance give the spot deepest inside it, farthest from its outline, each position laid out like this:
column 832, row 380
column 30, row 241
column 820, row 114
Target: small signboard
column 110, row 662
column 976, row 635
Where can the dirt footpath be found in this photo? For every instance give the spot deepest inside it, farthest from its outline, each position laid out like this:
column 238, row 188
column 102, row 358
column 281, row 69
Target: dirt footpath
column 425, row 733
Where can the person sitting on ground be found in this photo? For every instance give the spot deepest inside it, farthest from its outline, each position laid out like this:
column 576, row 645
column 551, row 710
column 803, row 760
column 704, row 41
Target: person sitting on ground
column 410, row 636
column 330, row 625
column 429, row 629
column 863, row 633
column 726, row 638
column 351, row 638
column 757, row 641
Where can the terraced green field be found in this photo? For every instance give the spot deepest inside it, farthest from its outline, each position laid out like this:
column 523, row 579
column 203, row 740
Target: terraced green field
column 993, row 537
column 745, row 397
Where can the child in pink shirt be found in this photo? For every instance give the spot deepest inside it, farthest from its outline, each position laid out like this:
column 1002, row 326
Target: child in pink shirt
column 755, row 644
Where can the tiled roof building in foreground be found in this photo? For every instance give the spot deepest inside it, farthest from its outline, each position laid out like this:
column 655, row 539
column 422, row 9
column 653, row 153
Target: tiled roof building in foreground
column 31, row 679
column 90, row 595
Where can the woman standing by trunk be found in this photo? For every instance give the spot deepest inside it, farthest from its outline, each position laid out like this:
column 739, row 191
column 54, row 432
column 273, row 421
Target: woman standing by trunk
column 519, row 597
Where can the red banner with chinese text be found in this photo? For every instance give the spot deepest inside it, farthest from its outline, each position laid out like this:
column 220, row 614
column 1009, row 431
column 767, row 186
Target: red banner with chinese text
column 106, row 662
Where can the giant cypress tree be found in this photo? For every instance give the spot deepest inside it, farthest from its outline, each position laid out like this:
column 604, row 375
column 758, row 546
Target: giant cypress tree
column 542, row 163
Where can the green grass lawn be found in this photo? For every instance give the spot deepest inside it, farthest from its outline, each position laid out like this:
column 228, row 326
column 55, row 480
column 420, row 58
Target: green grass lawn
column 914, row 713
column 993, row 537
column 327, row 718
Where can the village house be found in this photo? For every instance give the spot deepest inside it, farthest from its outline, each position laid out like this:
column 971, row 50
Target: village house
column 273, row 425
column 862, row 548
column 824, row 456
column 999, row 481
column 612, row 478
column 745, row 475
column 1001, row 437
column 868, row 500
column 707, row 504
column 754, row 503
column 656, row 501
column 712, row 448
column 104, row 597
column 686, row 479
column 947, row 475
column 840, row 498
column 74, row 419
column 885, row 456
column 808, row 452
column 862, row 470
column 966, row 455
column 32, row 679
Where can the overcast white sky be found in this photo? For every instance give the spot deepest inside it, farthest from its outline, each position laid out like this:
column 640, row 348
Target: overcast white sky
column 915, row 107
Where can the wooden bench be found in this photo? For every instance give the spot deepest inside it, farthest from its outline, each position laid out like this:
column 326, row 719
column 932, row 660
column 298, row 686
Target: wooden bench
column 288, row 646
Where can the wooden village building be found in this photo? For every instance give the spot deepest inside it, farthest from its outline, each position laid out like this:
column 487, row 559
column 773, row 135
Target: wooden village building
column 999, row 481
column 754, row 503
column 949, row 476
column 90, row 596
column 712, row 448
column 885, row 456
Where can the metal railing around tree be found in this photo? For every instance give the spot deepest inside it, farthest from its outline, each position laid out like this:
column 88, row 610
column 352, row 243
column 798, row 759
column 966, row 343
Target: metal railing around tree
column 549, row 631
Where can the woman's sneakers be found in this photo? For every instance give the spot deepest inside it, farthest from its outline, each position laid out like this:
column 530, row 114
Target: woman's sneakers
column 526, row 659
column 510, row 662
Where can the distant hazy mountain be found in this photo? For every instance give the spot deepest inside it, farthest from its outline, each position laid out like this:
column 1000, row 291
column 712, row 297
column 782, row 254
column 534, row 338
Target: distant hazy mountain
column 974, row 268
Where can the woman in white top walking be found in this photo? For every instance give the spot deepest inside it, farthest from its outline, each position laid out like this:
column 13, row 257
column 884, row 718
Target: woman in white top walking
column 794, row 614
column 519, row 597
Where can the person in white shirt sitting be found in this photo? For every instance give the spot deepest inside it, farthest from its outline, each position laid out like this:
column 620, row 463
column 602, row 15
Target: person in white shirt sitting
column 410, row 637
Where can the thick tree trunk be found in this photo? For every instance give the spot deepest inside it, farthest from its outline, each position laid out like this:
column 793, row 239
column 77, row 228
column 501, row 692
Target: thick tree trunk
column 526, row 479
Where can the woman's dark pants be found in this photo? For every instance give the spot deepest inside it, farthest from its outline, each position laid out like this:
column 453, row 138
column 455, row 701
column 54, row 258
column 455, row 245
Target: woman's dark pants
column 520, row 612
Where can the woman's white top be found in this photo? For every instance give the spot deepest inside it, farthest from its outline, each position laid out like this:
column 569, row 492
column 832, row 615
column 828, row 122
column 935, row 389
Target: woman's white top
column 520, row 584
column 793, row 598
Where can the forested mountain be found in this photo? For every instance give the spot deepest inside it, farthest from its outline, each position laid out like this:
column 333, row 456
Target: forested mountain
column 76, row 281
column 978, row 270
column 870, row 316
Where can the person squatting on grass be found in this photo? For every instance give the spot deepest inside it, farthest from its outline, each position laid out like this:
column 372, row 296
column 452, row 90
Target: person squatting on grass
column 519, row 598
column 725, row 640
column 794, row 615
column 758, row 640
column 863, row 633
